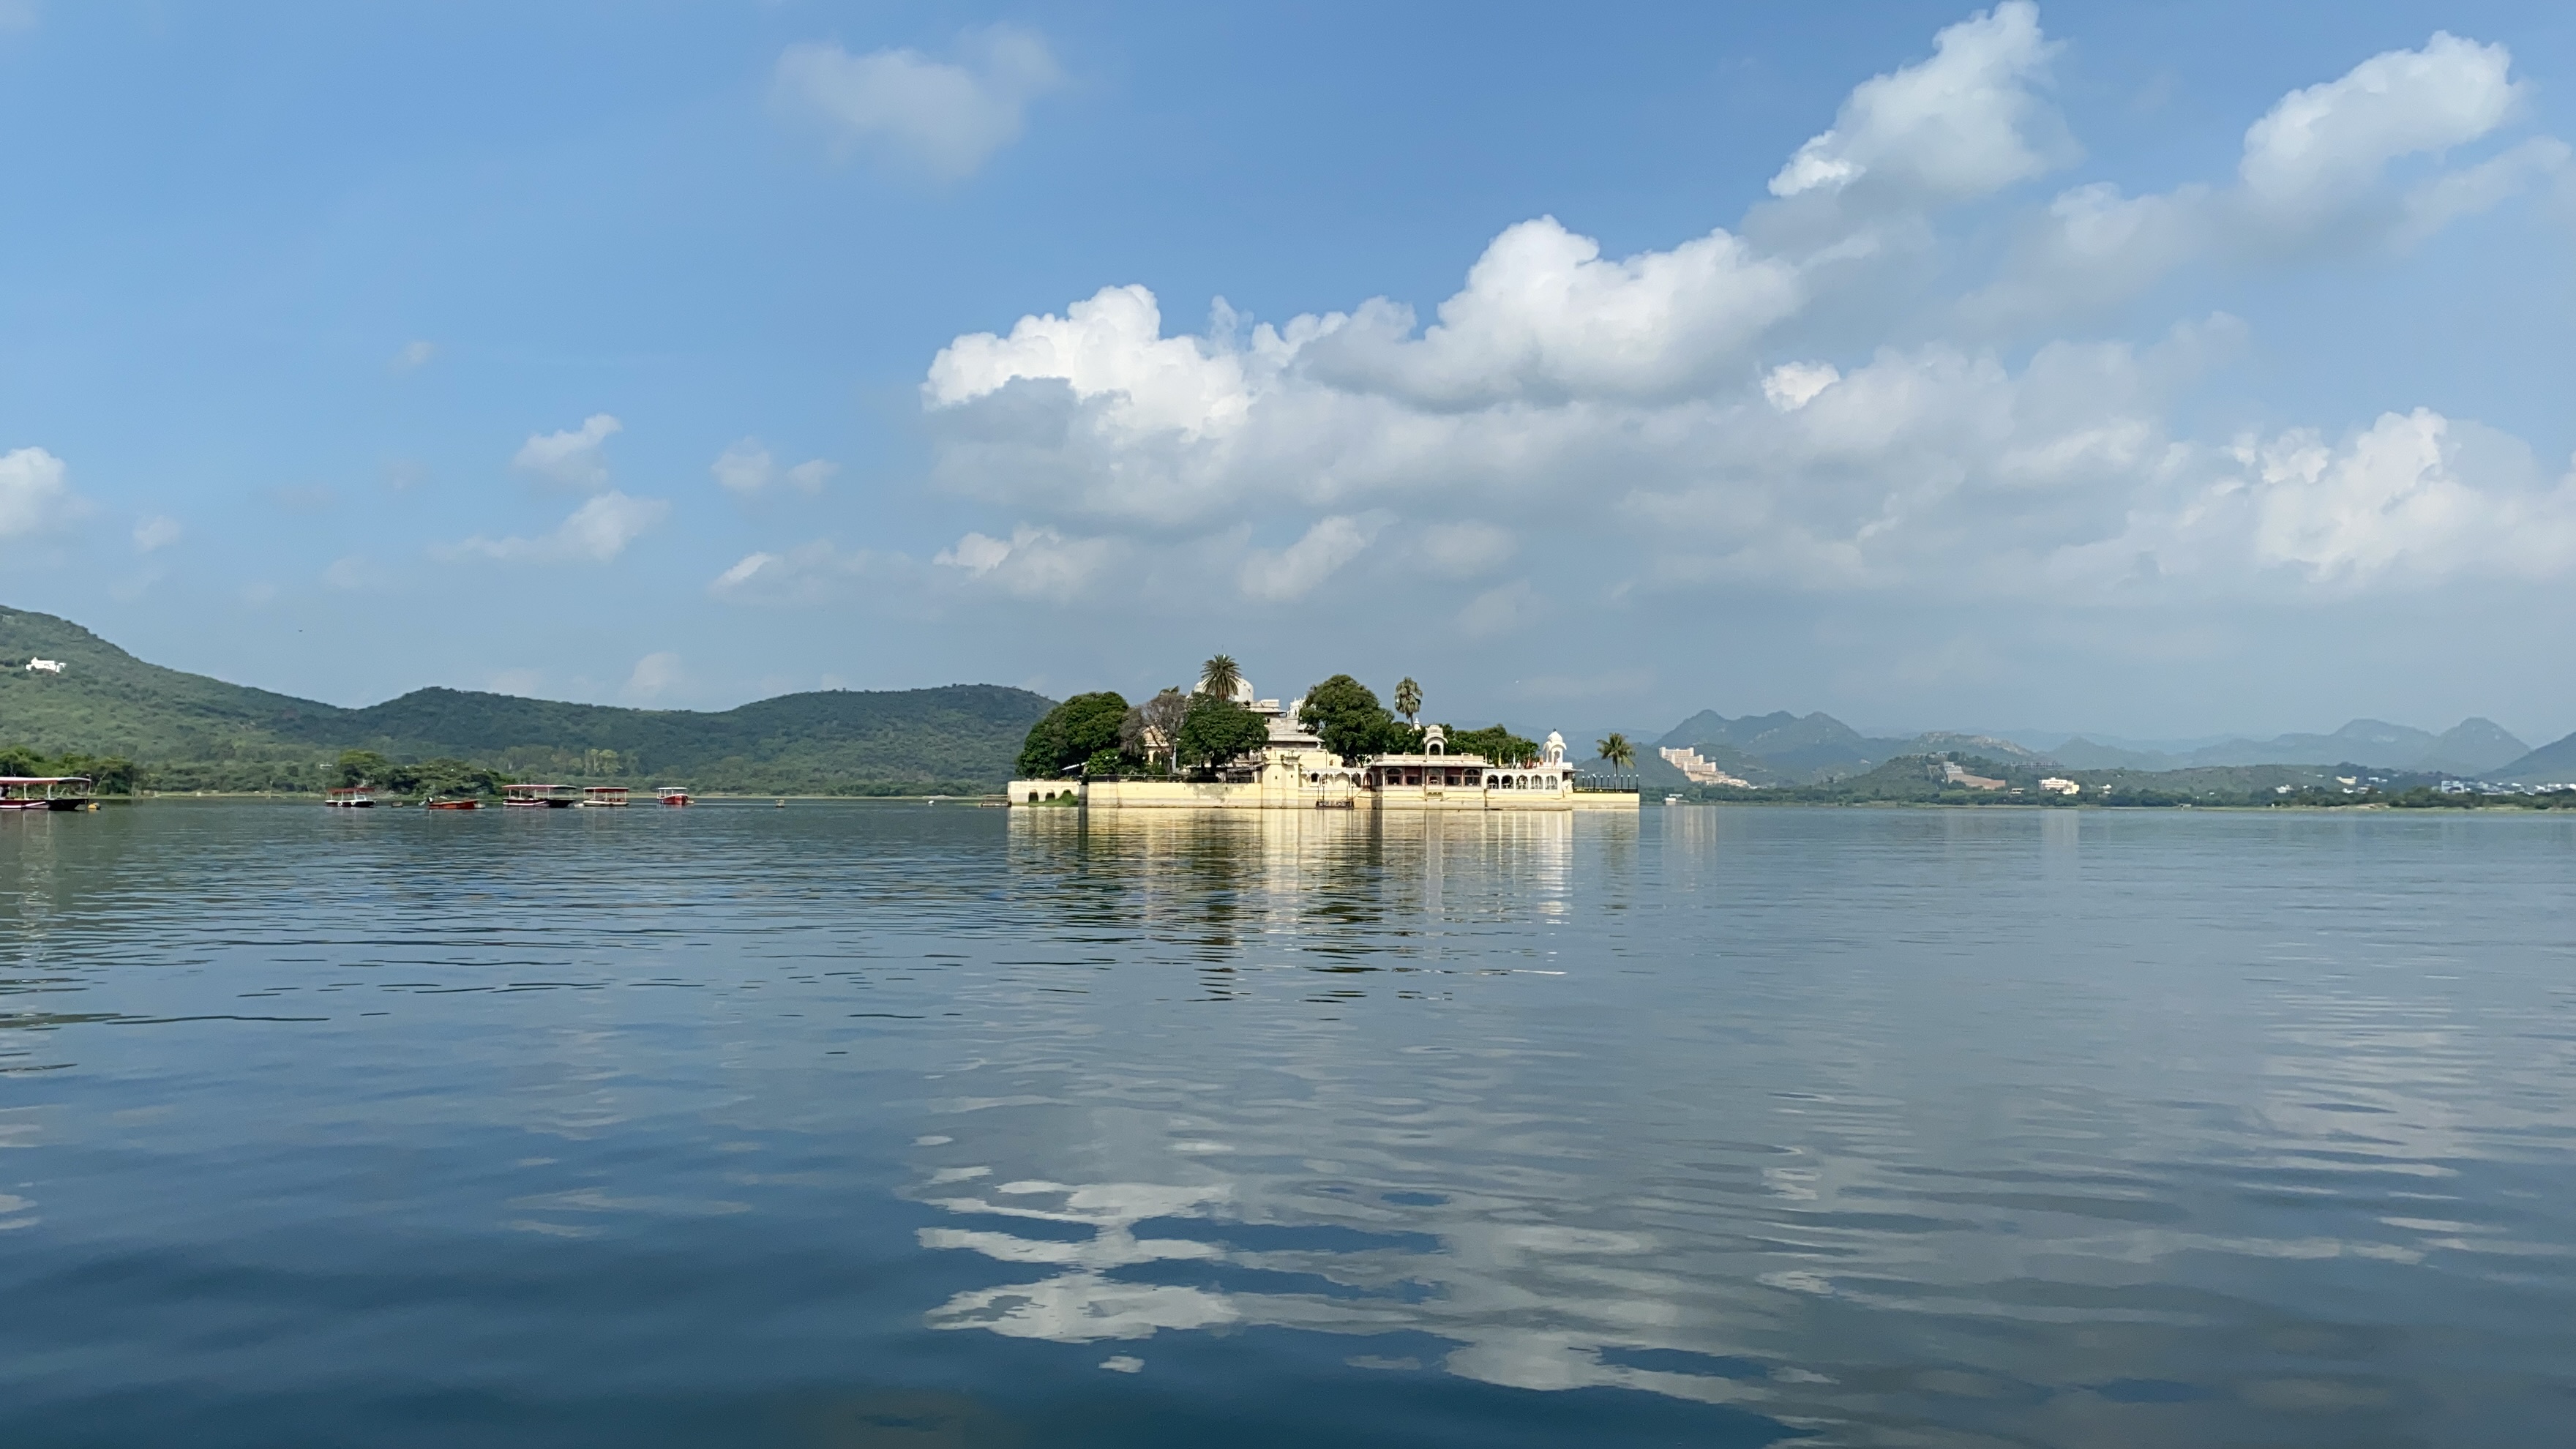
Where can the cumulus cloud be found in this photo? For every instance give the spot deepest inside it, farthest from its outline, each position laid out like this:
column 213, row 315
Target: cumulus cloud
column 946, row 118
column 2319, row 147
column 596, row 532
column 1294, row 571
column 1964, row 123
column 35, row 493
column 1033, row 563
column 1793, row 385
column 1720, row 405
column 156, row 532
column 572, row 458
column 2313, row 174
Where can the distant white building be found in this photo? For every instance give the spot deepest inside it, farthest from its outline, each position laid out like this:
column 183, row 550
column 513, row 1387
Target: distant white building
column 2060, row 786
column 44, row 666
column 1700, row 771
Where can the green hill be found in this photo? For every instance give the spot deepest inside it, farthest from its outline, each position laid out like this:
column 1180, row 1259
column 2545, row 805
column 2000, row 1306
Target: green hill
column 192, row 732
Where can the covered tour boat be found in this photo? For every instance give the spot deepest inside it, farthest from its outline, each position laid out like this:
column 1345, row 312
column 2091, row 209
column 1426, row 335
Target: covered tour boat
column 611, row 796
column 44, row 792
column 351, row 797
column 672, row 794
column 545, row 797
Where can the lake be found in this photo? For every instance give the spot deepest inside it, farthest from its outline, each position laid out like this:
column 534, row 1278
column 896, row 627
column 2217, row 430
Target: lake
column 875, row 1125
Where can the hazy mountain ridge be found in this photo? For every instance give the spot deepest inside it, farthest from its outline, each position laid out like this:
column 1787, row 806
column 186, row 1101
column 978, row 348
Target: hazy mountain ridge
column 1781, row 748
column 191, row 731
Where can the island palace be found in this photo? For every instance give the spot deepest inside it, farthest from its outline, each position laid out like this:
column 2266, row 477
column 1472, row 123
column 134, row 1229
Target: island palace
column 1293, row 771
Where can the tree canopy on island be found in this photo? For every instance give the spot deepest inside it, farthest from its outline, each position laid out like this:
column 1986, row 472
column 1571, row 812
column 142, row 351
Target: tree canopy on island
column 1217, row 730
column 1071, row 733
column 1346, row 716
column 1495, row 743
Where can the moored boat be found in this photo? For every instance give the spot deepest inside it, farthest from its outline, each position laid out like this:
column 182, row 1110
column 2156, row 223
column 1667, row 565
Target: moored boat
column 44, row 792
column 468, row 803
column 610, row 796
column 350, row 797
column 672, row 794
column 546, row 797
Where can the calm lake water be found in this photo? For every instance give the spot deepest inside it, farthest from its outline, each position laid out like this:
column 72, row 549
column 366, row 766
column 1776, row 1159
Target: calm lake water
column 873, row 1125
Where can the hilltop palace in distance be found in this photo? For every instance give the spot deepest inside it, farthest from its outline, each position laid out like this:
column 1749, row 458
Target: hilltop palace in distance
column 1293, row 771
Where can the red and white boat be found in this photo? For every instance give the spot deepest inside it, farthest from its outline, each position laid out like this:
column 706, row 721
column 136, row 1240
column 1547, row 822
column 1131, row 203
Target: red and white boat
column 467, row 803
column 672, row 794
column 611, row 796
column 541, row 797
column 350, row 797
column 44, row 792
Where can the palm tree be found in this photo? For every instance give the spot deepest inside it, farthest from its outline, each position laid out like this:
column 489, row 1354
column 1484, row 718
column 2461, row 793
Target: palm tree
column 1617, row 751
column 1408, row 699
column 1220, row 677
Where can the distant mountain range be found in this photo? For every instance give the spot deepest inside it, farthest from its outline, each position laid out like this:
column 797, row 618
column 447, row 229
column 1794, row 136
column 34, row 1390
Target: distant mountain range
column 1786, row 749
column 192, row 732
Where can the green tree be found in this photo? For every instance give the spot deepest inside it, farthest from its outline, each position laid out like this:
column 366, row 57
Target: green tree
column 1071, row 733
column 1345, row 715
column 1217, row 730
column 1616, row 751
column 363, row 767
column 1220, row 676
column 1408, row 698
column 1495, row 743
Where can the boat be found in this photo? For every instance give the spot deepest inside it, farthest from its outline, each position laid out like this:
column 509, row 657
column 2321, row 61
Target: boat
column 351, row 797
column 610, row 796
column 45, row 792
column 467, row 803
column 673, row 795
column 545, row 797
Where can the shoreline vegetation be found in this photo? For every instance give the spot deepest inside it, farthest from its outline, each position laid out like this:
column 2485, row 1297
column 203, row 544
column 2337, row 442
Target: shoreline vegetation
column 141, row 731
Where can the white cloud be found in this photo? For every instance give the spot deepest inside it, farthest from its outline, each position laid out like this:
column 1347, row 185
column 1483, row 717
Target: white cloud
column 655, row 675
column 157, row 532
column 743, row 467
column 1671, row 400
column 2400, row 495
column 1033, row 563
column 947, row 119
column 35, row 493
column 20, row 15
column 1964, row 123
column 1793, row 385
column 807, row 574
column 2321, row 146
column 596, row 532
column 746, row 468
column 1293, row 572
column 572, row 458
column 413, row 356
column 2312, row 176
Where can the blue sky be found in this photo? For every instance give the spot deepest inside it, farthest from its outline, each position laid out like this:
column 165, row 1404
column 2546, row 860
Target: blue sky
column 2148, row 370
